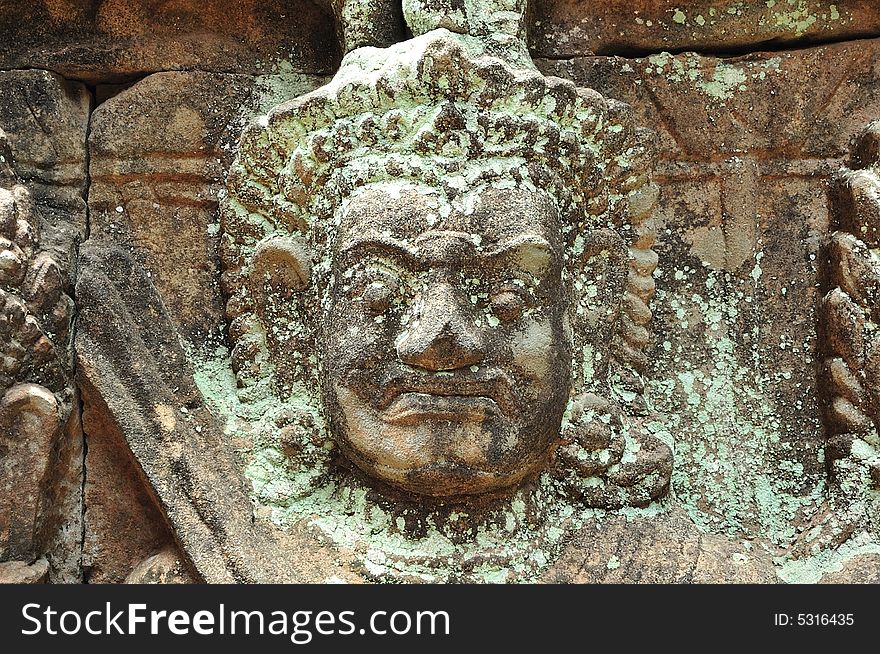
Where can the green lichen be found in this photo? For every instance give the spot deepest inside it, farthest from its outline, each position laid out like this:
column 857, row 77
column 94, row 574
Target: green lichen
column 800, row 16
column 725, row 81
column 281, row 464
column 794, row 17
column 281, row 83
column 716, row 79
column 810, row 570
column 731, row 471
column 720, row 83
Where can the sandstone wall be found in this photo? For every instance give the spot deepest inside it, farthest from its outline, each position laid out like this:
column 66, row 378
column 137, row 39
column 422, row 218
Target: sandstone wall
column 123, row 117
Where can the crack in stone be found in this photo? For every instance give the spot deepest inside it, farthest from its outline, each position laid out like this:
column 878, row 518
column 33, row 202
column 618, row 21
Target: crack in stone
column 86, row 188
column 763, row 47
column 133, row 77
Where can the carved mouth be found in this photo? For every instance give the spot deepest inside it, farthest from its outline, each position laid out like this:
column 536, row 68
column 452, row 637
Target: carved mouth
column 490, row 385
column 413, row 407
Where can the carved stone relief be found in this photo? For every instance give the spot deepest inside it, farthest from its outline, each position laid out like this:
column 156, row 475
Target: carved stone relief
column 848, row 328
column 36, row 394
column 438, row 267
column 451, row 314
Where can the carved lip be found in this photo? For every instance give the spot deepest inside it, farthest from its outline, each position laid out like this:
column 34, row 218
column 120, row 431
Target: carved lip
column 494, row 385
column 413, row 407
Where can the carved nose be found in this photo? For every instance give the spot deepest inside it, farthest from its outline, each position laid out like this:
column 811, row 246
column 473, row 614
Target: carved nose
column 443, row 338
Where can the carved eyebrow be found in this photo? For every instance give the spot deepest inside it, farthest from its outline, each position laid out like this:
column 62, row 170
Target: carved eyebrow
column 377, row 244
column 532, row 252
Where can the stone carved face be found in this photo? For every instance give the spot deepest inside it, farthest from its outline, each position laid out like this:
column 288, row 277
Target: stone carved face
column 457, row 334
column 447, row 357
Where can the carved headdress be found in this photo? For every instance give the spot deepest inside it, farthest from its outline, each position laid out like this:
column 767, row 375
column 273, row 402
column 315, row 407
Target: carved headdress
column 440, row 111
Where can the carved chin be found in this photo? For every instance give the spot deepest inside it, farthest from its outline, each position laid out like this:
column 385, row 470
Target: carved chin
column 438, row 445
column 447, row 479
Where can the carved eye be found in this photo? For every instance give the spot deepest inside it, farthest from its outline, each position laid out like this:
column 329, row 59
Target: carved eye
column 508, row 303
column 377, row 297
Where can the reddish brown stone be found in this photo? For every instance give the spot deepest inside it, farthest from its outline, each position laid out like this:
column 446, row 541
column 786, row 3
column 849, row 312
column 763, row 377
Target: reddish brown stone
column 709, row 109
column 569, row 28
column 114, row 40
column 158, row 155
column 123, row 525
column 22, row 572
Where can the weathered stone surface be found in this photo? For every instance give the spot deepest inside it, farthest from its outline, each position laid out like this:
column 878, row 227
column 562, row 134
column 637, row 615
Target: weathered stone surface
column 40, row 443
column 164, row 567
column 61, row 530
column 375, row 23
column 709, row 109
column 731, row 384
column 196, row 471
column 131, row 361
column 132, row 367
column 502, row 25
column 158, row 155
column 861, row 569
column 664, row 548
column 122, row 523
column 848, row 312
column 29, row 425
column 399, row 291
column 46, row 119
column 113, row 40
column 746, row 153
column 461, row 332
column 571, row 28
column 22, row 572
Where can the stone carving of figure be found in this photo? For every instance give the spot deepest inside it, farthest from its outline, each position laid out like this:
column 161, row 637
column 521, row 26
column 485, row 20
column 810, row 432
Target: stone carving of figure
column 35, row 394
column 851, row 366
column 451, row 249
column 438, row 270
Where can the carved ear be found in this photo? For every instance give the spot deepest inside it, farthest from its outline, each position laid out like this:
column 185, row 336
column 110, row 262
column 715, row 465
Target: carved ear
column 604, row 265
column 283, row 263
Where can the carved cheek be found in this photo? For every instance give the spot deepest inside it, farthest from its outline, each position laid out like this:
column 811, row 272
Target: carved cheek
column 360, row 349
column 535, row 347
column 356, row 340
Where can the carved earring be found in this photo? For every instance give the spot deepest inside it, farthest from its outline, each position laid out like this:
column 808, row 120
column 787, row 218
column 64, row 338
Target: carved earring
column 281, row 269
column 604, row 263
column 282, row 262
